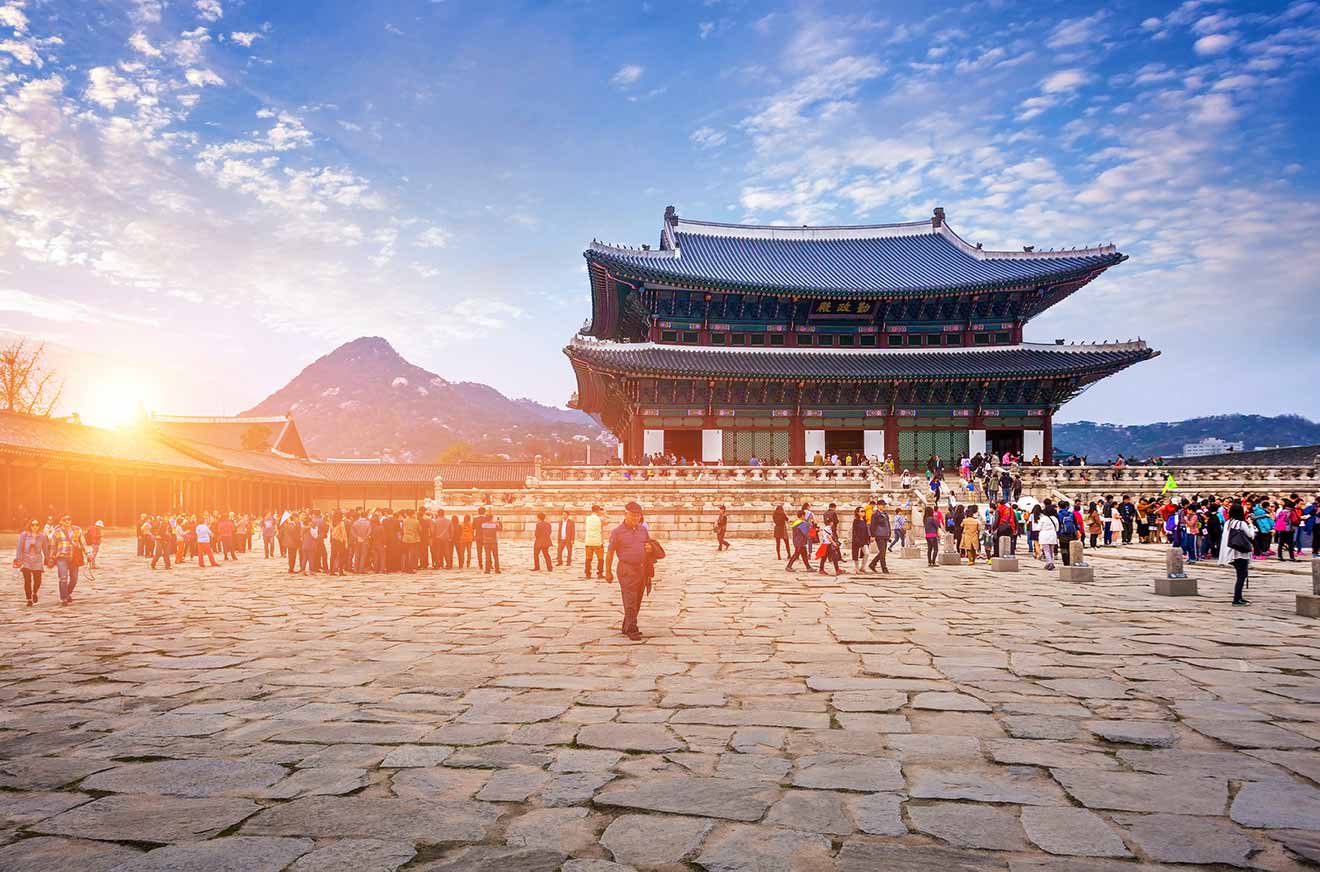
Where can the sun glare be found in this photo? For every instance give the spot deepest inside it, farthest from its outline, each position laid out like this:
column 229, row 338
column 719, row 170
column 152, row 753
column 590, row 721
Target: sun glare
column 115, row 398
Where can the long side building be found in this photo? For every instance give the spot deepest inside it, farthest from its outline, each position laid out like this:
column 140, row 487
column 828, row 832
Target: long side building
column 730, row 340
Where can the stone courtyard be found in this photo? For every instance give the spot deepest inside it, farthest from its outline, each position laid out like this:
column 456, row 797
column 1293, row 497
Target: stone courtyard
column 943, row 718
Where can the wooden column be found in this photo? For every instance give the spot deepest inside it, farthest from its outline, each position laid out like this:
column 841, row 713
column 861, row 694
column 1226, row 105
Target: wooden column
column 7, row 509
column 1048, row 459
column 66, row 507
column 91, row 497
column 797, row 437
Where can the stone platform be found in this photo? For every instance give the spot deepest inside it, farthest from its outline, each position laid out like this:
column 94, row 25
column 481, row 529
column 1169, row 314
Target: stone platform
column 934, row 718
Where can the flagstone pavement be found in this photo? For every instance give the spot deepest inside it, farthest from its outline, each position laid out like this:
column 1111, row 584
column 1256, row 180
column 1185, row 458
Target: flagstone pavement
column 943, row 718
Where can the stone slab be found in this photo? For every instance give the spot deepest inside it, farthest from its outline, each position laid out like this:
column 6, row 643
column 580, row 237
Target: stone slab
column 143, row 818
column 1175, row 587
column 727, row 798
column 326, row 817
column 655, row 840
column 1077, row 574
column 229, row 854
column 1134, row 791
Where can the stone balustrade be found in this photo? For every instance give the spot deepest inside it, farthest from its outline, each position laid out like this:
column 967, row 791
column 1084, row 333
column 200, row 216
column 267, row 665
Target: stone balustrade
column 709, row 477
column 1151, row 479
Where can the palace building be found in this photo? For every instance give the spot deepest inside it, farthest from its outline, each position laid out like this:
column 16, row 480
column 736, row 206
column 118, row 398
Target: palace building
column 730, row 340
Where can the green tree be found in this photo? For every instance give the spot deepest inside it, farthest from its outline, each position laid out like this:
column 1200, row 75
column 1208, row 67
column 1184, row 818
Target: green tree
column 459, row 452
column 256, row 437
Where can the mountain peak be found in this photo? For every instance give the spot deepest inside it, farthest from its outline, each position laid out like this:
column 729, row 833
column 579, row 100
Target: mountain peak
column 366, row 344
column 365, row 399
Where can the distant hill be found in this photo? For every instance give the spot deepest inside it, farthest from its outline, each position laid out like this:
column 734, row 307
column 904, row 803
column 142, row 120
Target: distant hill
column 1101, row 442
column 364, row 400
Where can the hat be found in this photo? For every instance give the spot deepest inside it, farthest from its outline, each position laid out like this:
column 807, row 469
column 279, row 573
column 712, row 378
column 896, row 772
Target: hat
column 722, row 507
column 633, row 506
column 100, row 523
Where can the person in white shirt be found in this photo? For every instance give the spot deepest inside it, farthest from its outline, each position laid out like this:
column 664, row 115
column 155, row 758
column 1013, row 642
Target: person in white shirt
column 594, row 543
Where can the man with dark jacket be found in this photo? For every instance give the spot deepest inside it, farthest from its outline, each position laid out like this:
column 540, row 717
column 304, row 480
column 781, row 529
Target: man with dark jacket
column 1127, row 513
column 567, row 533
column 781, row 531
column 490, row 542
column 291, row 539
column 880, row 533
column 541, row 544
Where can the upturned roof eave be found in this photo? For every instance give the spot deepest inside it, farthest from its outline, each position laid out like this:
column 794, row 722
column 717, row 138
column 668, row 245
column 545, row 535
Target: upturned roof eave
column 638, row 273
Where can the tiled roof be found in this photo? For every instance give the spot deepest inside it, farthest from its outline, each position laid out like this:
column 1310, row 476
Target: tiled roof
column 1018, row 360
column 508, row 473
column 396, row 473
column 894, row 258
column 51, row 436
column 228, row 431
column 237, row 459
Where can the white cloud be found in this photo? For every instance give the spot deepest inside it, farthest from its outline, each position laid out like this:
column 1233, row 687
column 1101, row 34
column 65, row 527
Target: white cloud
column 1077, row 31
column 23, row 51
column 209, row 10
column 199, row 78
column 140, row 44
column 61, row 309
column 627, row 75
column 707, row 137
column 1214, row 109
column 1064, row 81
column 146, row 11
column 11, row 16
column 433, row 237
column 244, row 38
column 1215, row 43
column 106, row 88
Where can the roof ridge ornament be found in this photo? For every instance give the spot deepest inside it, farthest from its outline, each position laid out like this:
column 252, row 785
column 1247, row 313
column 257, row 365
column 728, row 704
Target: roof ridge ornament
column 937, row 219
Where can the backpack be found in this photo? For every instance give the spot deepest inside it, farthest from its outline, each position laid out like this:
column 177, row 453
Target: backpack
column 1171, row 523
column 1068, row 523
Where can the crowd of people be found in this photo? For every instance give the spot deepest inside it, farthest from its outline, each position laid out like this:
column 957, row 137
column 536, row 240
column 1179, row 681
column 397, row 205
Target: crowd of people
column 1232, row 530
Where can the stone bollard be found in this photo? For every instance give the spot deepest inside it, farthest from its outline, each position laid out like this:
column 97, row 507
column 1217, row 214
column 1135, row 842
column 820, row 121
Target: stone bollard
column 912, row 551
column 1308, row 605
column 1176, row 582
column 1004, row 564
column 1080, row 570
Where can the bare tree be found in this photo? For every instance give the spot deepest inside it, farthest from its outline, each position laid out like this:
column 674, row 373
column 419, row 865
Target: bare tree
column 27, row 383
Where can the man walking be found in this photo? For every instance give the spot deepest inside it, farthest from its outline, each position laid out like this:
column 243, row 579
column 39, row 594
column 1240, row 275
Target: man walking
column 628, row 543
column 67, row 552
column 268, row 535
column 801, row 532
column 594, row 543
column 541, row 544
column 721, row 527
column 567, row 533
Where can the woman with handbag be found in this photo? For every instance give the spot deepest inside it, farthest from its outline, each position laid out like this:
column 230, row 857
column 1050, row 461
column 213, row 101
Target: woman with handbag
column 1236, row 548
column 30, row 558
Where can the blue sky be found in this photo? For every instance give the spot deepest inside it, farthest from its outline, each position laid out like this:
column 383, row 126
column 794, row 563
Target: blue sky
column 199, row 197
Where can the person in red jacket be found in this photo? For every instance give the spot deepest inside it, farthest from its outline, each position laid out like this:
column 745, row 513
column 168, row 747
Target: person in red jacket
column 93, row 540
